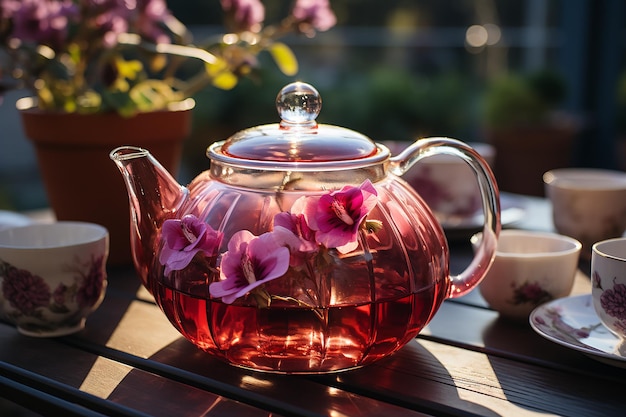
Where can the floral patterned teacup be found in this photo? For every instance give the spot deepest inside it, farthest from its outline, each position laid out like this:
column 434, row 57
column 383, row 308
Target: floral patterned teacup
column 608, row 283
column 530, row 268
column 52, row 276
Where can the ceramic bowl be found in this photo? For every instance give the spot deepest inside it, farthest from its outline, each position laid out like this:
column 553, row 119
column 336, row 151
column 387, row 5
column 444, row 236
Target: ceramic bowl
column 530, row 268
column 588, row 204
column 52, row 276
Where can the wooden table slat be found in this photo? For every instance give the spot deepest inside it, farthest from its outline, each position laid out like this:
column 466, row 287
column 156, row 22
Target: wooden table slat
column 135, row 392
column 482, row 384
column 29, row 388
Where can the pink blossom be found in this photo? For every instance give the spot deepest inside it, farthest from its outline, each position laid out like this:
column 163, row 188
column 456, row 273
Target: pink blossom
column 250, row 262
column 294, row 223
column 292, row 231
column 317, row 13
column 185, row 238
column 337, row 217
column 298, row 247
column 44, row 22
column 151, row 13
column 244, row 15
column 109, row 17
column 8, row 7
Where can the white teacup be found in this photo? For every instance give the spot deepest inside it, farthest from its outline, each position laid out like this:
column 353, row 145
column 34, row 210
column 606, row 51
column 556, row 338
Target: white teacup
column 530, row 268
column 608, row 283
column 588, row 204
column 52, row 276
column 447, row 183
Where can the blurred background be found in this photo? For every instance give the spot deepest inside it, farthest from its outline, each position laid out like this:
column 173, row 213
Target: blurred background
column 544, row 81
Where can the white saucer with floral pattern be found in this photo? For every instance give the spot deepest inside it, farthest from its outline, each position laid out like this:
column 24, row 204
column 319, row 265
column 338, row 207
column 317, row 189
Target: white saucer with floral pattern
column 573, row 323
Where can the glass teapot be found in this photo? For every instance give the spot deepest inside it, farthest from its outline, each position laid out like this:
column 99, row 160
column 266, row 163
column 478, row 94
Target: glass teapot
column 300, row 250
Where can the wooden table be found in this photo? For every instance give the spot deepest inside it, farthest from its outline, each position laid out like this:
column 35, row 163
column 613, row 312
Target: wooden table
column 130, row 361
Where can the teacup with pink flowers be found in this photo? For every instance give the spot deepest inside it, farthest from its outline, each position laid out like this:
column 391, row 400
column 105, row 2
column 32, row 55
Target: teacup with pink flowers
column 52, row 276
column 608, row 279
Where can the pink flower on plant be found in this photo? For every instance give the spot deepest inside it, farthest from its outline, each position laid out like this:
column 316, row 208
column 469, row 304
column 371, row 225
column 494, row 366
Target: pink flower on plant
column 151, row 13
column 109, row 17
column 8, row 7
column 244, row 15
column 184, row 238
column 316, row 13
column 249, row 262
column 337, row 217
column 44, row 22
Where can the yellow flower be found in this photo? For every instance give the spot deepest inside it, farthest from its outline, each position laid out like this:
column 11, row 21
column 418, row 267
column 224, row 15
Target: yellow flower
column 126, row 70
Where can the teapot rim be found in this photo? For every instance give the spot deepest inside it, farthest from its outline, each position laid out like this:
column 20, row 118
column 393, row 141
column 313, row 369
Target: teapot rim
column 214, row 153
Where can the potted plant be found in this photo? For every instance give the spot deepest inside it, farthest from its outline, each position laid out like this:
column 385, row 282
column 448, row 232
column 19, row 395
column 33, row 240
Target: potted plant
column 109, row 72
column 530, row 133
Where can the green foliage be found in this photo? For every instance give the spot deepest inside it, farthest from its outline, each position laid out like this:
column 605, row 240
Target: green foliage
column 549, row 86
column 395, row 104
column 522, row 100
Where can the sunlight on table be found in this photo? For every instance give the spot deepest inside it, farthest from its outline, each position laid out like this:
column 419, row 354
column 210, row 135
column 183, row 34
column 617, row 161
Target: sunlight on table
column 151, row 333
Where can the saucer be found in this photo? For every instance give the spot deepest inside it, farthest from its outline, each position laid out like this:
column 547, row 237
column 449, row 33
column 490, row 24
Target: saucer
column 9, row 219
column 512, row 210
column 572, row 322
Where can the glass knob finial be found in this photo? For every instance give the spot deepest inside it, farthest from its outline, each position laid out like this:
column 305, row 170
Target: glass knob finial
column 298, row 103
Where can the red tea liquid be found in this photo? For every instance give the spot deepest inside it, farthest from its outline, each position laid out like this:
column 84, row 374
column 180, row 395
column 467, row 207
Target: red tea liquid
column 297, row 339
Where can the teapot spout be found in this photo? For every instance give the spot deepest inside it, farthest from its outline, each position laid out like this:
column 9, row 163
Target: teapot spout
column 154, row 196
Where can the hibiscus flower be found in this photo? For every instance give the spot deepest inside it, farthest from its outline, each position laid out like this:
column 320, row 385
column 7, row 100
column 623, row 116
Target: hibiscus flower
column 184, row 238
column 249, row 262
column 336, row 217
column 291, row 230
column 317, row 13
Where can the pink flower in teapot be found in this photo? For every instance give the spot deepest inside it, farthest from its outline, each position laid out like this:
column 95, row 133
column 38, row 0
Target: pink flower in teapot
column 185, row 238
column 251, row 261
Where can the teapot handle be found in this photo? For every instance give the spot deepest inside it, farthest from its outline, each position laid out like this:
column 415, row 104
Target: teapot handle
column 465, row 281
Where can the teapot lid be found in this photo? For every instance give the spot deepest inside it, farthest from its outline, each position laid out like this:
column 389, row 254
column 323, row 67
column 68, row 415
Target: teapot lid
column 298, row 137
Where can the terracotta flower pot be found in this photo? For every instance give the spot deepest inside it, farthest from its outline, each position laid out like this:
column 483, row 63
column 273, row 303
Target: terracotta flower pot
column 80, row 180
column 524, row 154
